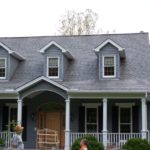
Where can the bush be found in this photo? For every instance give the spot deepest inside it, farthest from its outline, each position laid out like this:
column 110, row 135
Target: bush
column 2, row 143
column 93, row 144
column 137, row 144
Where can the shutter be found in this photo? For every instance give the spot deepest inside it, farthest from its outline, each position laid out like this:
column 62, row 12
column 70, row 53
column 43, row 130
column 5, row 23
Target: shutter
column 100, row 119
column 135, row 118
column 81, row 122
column 115, row 119
column 24, row 122
column 5, row 118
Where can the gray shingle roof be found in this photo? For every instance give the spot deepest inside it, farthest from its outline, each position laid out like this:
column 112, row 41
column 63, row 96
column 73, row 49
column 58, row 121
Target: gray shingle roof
column 82, row 73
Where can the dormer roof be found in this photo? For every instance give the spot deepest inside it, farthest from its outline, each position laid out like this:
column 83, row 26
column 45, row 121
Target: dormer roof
column 109, row 41
column 11, row 52
column 64, row 51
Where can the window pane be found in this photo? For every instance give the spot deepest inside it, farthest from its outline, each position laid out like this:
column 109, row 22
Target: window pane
column 125, row 116
column 2, row 72
column 2, row 63
column 109, row 71
column 53, row 71
column 92, row 128
column 108, row 61
column 53, row 62
column 91, row 115
column 125, row 128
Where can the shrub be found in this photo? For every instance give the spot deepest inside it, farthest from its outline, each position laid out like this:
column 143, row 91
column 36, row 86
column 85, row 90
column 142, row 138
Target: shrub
column 2, row 143
column 93, row 144
column 137, row 144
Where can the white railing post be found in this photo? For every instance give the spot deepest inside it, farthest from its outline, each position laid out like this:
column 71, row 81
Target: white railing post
column 19, row 112
column 144, row 117
column 105, row 122
column 67, row 125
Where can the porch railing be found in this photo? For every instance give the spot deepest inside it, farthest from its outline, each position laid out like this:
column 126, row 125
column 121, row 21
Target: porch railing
column 74, row 136
column 6, row 136
column 115, row 140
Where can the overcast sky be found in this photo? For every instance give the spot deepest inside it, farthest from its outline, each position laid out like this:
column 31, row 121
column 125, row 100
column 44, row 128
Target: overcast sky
column 40, row 17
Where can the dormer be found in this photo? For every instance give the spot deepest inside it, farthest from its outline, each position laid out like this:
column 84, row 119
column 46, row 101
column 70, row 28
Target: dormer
column 9, row 60
column 109, row 55
column 56, row 60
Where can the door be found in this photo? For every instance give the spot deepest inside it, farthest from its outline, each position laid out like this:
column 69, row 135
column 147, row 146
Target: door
column 54, row 121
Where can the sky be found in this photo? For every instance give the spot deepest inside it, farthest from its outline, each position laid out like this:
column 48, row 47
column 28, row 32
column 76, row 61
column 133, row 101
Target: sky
column 41, row 17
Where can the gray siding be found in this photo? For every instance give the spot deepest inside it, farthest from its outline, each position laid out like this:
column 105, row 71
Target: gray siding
column 109, row 50
column 66, row 63
column 12, row 66
column 11, row 63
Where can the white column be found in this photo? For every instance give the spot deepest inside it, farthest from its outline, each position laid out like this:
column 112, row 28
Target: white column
column 144, row 117
column 67, row 125
column 19, row 113
column 105, row 122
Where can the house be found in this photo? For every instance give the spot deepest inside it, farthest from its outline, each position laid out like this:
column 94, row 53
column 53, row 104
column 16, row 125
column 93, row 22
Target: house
column 95, row 84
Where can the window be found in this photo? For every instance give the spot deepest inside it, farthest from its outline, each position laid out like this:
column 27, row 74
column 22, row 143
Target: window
column 2, row 68
column 125, row 119
column 109, row 66
column 12, row 115
column 91, row 120
column 91, row 117
column 53, row 67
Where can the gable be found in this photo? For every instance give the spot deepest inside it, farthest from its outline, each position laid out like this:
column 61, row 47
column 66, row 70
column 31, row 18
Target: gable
column 56, row 45
column 42, row 84
column 7, row 50
column 109, row 42
column 39, row 79
column 109, row 48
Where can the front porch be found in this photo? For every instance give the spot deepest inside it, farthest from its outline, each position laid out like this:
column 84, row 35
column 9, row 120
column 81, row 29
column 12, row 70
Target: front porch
column 115, row 140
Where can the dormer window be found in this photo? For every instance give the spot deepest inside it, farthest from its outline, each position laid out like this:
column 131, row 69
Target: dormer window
column 53, row 67
column 109, row 66
column 2, row 68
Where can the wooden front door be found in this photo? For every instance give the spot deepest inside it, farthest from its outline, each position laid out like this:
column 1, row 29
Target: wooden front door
column 54, row 121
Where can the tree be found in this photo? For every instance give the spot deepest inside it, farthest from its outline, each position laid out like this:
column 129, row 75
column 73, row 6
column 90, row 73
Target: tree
column 78, row 23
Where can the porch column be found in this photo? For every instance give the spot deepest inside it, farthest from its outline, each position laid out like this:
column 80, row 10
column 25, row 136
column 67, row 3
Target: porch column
column 67, row 125
column 19, row 112
column 105, row 122
column 144, row 117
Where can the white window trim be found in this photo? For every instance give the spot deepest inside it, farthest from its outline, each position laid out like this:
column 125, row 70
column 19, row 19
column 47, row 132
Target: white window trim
column 53, row 77
column 91, row 105
column 103, row 57
column 126, row 105
column 5, row 66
